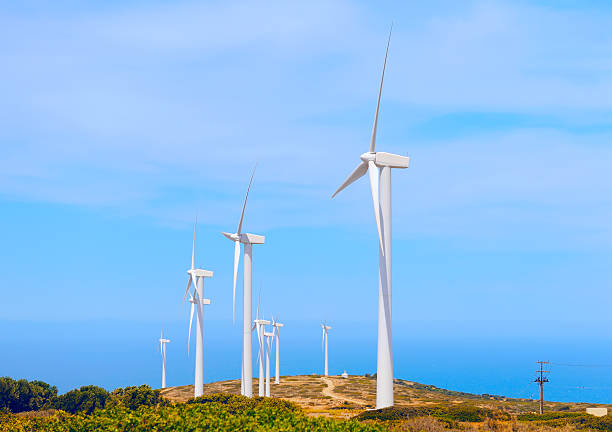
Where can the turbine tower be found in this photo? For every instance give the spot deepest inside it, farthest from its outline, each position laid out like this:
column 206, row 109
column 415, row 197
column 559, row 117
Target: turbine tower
column 197, row 300
column 269, row 336
column 277, row 327
column 162, row 349
column 379, row 165
column 246, row 378
column 324, row 337
column 260, row 324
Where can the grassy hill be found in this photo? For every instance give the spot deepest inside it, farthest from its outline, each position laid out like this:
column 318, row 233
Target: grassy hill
column 308, row 403
column 345, row 397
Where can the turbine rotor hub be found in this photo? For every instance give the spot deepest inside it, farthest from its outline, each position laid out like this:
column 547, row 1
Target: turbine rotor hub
column 369, row 156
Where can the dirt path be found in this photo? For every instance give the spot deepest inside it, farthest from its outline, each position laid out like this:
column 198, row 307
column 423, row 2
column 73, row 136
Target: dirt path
column 329, row 391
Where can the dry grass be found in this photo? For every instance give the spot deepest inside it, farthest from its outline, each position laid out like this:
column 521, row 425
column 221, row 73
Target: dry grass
column 338, row 397
column 430, row 424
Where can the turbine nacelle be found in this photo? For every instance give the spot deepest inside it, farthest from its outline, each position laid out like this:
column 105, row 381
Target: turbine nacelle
column 200, row 273
column 246, row 238
column 384, row 159
column 261, row 322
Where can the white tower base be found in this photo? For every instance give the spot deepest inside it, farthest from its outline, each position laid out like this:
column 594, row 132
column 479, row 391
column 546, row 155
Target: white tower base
column 384, row 369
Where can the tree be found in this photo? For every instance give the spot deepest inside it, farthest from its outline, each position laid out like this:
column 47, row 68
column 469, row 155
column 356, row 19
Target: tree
column 23, row 395
column 83, row 400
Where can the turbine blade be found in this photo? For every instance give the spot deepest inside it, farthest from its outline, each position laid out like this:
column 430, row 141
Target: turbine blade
column 373, row 171
column 236, row 263
column 227, row 235
column 245, row 201
column 190, row 322
column 382, row 78
column 187, row 289
column 357, row 173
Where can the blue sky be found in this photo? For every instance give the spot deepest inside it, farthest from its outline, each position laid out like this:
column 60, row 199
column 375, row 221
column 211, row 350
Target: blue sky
column 122, row 120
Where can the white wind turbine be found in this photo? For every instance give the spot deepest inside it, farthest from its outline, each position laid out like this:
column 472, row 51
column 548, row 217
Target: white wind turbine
column 259, row 325
column 269, row 336
column 324, row 338
column 162, row 349
column 277, row 327
column 378, row 165
column 246, row 379
column 197, row 300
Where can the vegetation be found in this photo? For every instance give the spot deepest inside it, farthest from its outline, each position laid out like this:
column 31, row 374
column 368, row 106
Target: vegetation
column 83, row 400
column 446, row 413
column 35, row 406
column 216, row 412
column 23, row 395
column 578, row 420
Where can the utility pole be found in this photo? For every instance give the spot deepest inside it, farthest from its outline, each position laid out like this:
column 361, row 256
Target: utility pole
column 541, row 380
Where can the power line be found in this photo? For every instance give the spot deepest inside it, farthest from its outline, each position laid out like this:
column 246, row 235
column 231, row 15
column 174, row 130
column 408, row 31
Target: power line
column 583, row 365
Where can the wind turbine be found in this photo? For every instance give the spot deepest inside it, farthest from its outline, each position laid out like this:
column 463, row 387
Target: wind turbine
column 162, row 349
column 324, row 338
column 246, row 383
column 260, row 324
column 197, row 300
column 268, row 337
column 379, row 165
column 277, row 327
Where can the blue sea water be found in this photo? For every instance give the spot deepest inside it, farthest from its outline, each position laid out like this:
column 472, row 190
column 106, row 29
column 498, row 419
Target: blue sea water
column 494, row 358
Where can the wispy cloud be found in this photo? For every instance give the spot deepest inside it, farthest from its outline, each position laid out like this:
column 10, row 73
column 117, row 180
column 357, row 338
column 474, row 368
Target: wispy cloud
column 150, row 108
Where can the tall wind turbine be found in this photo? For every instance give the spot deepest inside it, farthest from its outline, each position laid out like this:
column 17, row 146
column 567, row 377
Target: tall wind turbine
column 197, row 300
column 324, row 338
column 162, row 349
column 378, row 165
column 269, row 336
column 277, row 327
column 246, row 383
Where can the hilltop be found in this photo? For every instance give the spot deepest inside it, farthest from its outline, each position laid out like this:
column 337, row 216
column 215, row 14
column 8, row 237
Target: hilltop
column 345, row 397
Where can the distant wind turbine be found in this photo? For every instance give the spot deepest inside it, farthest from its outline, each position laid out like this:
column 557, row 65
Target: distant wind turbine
column 197, row 300
column 162, row 349
column 269, row 336
column 378, row 165
column 260, row 324
column 277, row 327
column 324, row 337
column 246, row 380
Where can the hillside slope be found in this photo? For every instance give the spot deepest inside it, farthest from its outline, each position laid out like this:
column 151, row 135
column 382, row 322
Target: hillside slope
column 344, row 397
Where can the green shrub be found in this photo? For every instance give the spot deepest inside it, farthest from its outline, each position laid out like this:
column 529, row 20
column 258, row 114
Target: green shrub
column 135, row 397
column 236, row 404
column 83, row 400
column 449, row 413
column 221, row 413
column 22, row 395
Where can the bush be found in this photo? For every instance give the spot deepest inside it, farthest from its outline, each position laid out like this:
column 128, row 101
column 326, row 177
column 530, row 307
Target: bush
column 135, row 397
column 22, row 395
column 236, row 404
column 84, row 400
column 447, row 413
column 579, row 420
